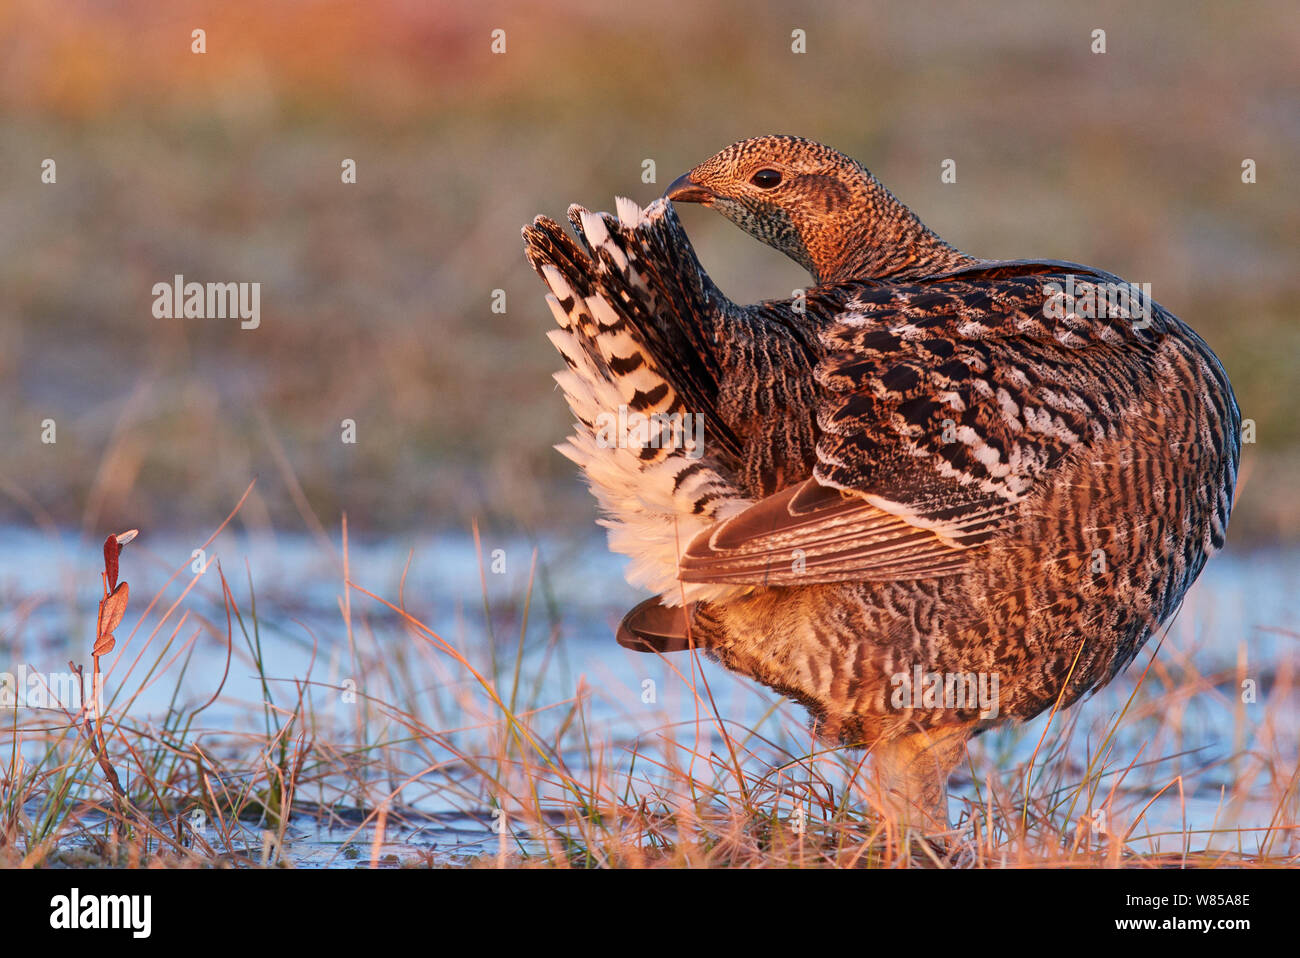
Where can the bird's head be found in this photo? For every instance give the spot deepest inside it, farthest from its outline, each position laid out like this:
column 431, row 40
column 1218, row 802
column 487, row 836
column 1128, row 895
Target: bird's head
column 821, row 208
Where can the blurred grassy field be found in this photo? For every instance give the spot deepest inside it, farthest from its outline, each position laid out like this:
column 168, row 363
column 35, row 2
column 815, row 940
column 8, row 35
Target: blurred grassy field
column 376, row 297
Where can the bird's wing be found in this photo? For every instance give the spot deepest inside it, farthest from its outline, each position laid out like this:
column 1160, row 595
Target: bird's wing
column 943, row 404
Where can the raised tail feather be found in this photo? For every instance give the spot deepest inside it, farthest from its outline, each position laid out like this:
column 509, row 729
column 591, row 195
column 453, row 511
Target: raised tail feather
column 648, row 438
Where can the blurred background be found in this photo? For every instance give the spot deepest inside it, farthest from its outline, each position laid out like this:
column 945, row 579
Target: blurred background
column 377, row 297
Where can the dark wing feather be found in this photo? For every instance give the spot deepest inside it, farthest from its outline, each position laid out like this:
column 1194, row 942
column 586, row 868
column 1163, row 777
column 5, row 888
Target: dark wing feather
column 654, row 627
column 812, row 533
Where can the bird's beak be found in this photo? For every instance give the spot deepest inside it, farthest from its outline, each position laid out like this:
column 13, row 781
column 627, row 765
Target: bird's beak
column 686, row 190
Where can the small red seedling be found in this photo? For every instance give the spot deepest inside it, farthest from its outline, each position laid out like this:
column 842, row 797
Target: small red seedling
column 111, row 610
column 113, row 606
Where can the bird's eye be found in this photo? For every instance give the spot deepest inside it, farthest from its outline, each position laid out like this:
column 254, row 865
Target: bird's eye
column 766, row 179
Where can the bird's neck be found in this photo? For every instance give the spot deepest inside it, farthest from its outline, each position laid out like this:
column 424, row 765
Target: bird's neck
column 880, row 238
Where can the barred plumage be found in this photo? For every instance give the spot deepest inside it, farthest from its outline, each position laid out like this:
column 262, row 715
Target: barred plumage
column 930, row 462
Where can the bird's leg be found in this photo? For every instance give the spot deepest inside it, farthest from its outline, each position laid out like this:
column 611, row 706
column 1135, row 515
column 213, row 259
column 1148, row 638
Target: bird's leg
column 912, row 776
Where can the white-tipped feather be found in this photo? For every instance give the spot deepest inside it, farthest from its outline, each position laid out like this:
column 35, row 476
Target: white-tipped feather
column 554, row 279
column 596, row 233
column 601, row 311
column 594, row 228
column 557, row 311
column 568, row 346
column 629, row 213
